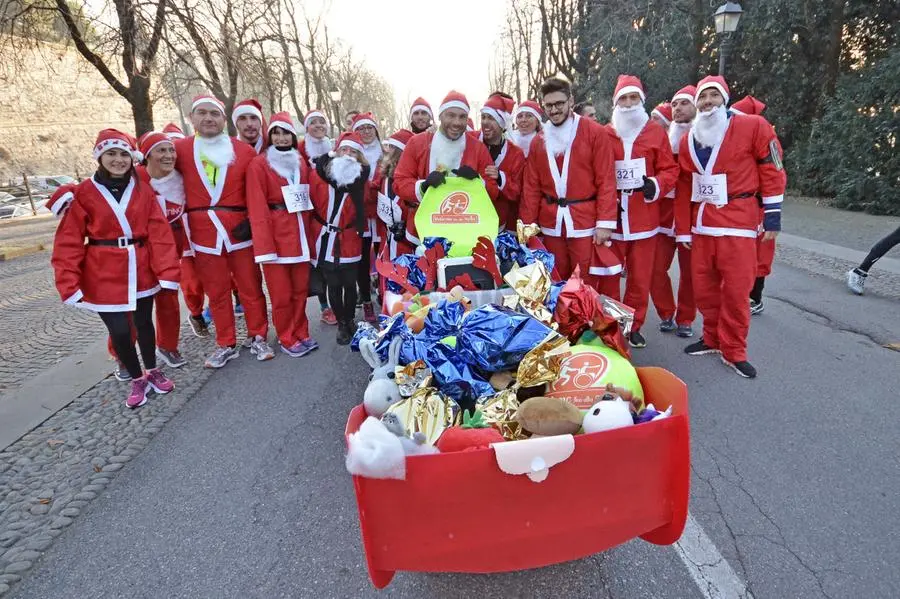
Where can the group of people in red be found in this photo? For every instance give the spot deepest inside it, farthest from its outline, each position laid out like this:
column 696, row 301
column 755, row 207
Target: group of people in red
column 217, row 215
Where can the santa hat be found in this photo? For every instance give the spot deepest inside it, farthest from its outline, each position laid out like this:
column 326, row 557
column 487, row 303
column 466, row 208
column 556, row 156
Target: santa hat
column 350, row 139
column 400, row 139
column 715, row 82
column 664, row 111
column 152, row 139
column 470, row 125
column 249, row 106
column 173, row 131
column 454, row 100
column 111, row 138
column 207, row 98
column 283, row 120
column 315, row 112
column 500, row 109
column 61, row 199
column 686, row 93
column 363, row 118
column 532, row 107
column 420, row 104
column 628, row 84
column 748, row 105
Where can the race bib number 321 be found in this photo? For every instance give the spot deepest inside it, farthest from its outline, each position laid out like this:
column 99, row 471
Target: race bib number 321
column 630, row 173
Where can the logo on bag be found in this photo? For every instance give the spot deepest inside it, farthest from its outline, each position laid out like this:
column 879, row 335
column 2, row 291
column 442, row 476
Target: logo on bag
column 453, row 211
column 580, row 379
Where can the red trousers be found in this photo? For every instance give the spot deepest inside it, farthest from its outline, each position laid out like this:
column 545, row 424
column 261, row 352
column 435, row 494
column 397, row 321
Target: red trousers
column 724, row 270
column 661, row 286
column 168, row 319
column 191, row 287
column 637, row 258
column 569, row 253
column 216, row 273
column 288, row 286
column 765, row 255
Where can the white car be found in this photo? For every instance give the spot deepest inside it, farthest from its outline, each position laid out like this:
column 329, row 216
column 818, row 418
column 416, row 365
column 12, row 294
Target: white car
column 50, row 183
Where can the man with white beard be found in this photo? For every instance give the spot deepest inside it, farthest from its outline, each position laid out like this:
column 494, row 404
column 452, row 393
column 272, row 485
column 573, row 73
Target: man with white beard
column 213, row 167
column 645, row 171
column 680, row 317
column 570, row 182
column 726, row 161
column 430, row 156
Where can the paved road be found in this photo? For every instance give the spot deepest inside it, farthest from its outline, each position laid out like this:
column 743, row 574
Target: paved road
column 794, row 478
column 27, row 231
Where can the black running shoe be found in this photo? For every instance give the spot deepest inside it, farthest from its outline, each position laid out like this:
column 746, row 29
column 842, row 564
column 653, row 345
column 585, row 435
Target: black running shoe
column 745, row 369
column 635, row 339
column 684, row 331
column 700, row 349
column 344, row 336
column 667, row 325
column 756, row 307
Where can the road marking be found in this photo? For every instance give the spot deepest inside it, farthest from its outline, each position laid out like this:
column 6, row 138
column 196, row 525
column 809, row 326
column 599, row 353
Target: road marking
column 712, row 572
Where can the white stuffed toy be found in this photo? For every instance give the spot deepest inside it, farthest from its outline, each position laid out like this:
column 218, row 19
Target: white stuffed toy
column 606, row 415
column 375, row 452
column 382, row 392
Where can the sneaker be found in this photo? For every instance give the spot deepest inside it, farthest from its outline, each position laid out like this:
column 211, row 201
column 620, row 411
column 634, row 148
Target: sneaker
column 311, row 343
column 667, row 325
column 856, row 281
column 369, row 313
column 297, row 350
column 238, row 311
column 207, row 316
column 756, row 307
column 328, row 316
column 260, row 348
column 700, row 349
column 199, row 326
column 172, row 359
column 635, row 339
column 745, row 369
column 159, row 382
column 221, row 356
column 685, row 331
column 121, row 373
column 138, row 396
column 343, row 334
column 247, row 343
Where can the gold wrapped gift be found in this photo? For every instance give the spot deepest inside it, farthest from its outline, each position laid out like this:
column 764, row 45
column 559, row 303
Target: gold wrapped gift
column 426, row 411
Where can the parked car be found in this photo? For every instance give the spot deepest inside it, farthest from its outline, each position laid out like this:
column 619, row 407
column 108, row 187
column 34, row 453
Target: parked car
column 50, row 183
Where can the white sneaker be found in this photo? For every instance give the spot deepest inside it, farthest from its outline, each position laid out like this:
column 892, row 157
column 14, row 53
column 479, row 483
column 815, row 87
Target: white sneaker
column 221, row 356
column 261, row 349
column 856, row 281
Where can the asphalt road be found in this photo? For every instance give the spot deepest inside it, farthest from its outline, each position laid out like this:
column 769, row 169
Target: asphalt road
column 794, row 478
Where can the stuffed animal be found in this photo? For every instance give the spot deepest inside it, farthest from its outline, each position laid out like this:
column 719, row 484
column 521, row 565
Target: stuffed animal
column 374, row 452
column 650, row 413
column 607, row 414
column 416, row 445
column 547, row 416
column 474, row 433
column 382, row 392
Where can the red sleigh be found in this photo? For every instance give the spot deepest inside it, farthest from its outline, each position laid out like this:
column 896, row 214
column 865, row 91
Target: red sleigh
column 458, row 512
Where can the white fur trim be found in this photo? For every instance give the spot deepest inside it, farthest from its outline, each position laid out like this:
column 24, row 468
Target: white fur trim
column 530, row 110
column 61, row 203
column 773, row 199
column 418, row 107
column 362, row 122
column 245, row 109
column 175, row 135
column 266, row 258
column 655, row 195
column 708, row 85
column 629, row 89
column 605, row 270
column 349, row 143
column 662, row 116
column 169, row 285
column 208, row 100
column 154, row 146
column 454, row 104
column 502, row 118
column 313, row 114
column 687, row 97
column 683, row 238
column 283, row 125
column 74, row 298
column 396, row 143
column 109, row 144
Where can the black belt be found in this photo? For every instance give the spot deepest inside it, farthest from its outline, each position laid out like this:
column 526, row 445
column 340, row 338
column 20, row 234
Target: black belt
column 563, row 202
column 122, row 242
column 219, row 208
column 176, row 225
column 738, row 196
column 411, row 204
column 277, row 206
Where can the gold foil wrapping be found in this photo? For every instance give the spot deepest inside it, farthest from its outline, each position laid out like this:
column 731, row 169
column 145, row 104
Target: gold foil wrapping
column 525, row 232
column 411, row 377
column 426, row 411
column 532, row 284
column 499, row 411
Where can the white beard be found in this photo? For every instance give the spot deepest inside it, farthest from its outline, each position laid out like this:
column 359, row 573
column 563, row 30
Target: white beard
column 217, row 150
column 558, row 139
column 344, row 170
column 446, row 154
column 676, row 132
column 522, row 140
column 317, row 147
column 170, row 187
column 628, row 122
column 285, row 163
column 710, row 126
column 373, row 153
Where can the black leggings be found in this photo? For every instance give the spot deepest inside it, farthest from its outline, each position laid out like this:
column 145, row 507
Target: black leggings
column 363, row 280
column 880, row 249
column 119, row 326
column 340, row 282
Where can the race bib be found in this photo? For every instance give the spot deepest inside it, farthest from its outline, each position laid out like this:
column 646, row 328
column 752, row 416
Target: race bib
column 296, row 197
column 388, row 211
column 630, row 173
column 710, row 188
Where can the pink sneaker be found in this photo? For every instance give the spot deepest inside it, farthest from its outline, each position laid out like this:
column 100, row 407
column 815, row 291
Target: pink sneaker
column 160, row 383
column 138, row 396
column 369, row 313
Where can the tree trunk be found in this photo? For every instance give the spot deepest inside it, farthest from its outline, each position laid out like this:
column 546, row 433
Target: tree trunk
column 141, row 106
column 832, row 58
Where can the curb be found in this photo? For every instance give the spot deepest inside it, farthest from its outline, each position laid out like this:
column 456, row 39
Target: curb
column 24, row 220
column 18, row 252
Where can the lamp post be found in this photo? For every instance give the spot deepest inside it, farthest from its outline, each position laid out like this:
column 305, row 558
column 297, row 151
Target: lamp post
column 726, row 19
column 336, row 102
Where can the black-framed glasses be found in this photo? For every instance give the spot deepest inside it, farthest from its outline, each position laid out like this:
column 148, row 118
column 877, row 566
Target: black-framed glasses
column 555, row 105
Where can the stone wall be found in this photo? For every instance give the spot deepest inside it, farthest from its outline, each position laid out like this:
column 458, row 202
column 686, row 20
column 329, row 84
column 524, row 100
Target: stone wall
column 52, row 109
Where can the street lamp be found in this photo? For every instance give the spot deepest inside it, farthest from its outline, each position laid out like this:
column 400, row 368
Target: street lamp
column 726, row 19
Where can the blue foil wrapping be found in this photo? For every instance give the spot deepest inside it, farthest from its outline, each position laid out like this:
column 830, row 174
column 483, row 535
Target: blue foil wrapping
column 546, row 257
column 363, row 331
column 553, row 295
column 433, row 241
column 493, row 338
column 454, row 377
column 415, row 277
column 442, row 321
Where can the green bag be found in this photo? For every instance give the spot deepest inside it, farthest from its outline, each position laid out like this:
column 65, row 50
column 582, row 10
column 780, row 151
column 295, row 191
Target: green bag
column 461, row 211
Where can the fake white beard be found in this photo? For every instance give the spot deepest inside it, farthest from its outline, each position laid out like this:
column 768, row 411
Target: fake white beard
column 317, row 147
column 710, row 126
column 373, row 151
column 170, row 187
column 344, row 170
column 446, row 153
column 284, row 162
column 522, row 140
column 217, row 150
column 676, row 132
column 628, row 122
column 558, row 139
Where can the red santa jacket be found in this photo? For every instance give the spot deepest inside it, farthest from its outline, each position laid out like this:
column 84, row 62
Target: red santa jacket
column 415, row 165
column 130, row 253
column 170, row 196
column 391, row 211
column 279, row 236
column 639, row 216
column 745, row 157
column 213, row 211
column 584, row 172
column 333, row 227
column 511, row 163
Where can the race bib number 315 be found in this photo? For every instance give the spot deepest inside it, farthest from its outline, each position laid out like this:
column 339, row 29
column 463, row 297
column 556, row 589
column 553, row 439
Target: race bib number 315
column 709, row 188
column 296, row 197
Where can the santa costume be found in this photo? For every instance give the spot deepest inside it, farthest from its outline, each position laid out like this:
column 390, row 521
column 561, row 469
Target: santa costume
column 509, row 160
column 279, row 206
column 645, row 172
column 727, row 160
column 391, row 211
column 431, row 155
column 250, row 107
column 419, row 105
column 128, row 256
column 313, row 147
column 173, row 131
column 372, row 151
column 523, row 140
